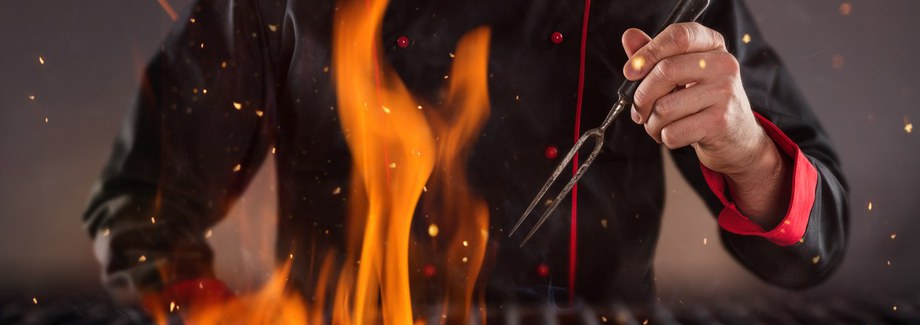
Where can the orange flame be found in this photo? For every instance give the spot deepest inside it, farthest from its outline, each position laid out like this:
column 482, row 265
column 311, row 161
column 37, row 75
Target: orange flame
column 393, row 164
column 398, row 145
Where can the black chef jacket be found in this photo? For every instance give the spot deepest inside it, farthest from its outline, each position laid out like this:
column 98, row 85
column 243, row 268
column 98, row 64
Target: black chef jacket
column 184, row 156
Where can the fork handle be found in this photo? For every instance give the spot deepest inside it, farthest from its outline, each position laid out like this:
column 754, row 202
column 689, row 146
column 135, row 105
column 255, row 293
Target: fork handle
column 686, row 11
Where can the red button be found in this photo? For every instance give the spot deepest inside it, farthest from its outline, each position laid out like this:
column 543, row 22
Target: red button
column 402, row 42
column 556, row 37
column 543, row 270
column 551, row 152
column 428, row 270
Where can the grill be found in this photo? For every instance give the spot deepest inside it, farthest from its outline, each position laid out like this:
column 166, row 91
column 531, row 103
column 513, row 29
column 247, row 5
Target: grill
column 792, row 309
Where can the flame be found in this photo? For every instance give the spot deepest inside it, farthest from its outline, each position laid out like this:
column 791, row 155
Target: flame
column 394, row 149
column 399, row 151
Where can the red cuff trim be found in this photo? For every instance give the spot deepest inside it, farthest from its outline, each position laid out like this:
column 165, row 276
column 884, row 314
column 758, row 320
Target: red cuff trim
column 804, row 182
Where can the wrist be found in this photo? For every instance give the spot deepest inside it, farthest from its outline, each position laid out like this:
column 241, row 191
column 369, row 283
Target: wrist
column 760, row 189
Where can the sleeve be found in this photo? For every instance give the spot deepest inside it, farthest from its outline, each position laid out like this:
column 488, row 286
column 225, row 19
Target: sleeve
column 810, row 241
column 195, row 136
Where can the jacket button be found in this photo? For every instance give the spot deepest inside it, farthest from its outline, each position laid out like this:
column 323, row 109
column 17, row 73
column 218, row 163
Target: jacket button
column 550, row 152
column 402, row 42
column 556, row 37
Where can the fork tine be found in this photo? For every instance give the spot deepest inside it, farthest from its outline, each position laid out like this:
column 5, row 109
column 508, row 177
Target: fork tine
column 598, row 145
column 549, row 182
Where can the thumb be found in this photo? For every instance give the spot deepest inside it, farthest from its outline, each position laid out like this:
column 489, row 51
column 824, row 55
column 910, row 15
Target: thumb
column 633, row 40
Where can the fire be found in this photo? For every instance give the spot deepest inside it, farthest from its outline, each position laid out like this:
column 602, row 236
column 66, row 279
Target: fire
column 399, row 151
column 394, row 149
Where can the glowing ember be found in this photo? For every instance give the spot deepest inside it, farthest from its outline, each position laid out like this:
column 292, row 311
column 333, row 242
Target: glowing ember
column 637, row 63
column 259, row 113
column 746, row 38
column 237, row 168
column 702, row 64
column 273, row 27
column 908, row 126
column 41, row 60
column 238, row 106
column 31, row 97
column 35, row 300
column 845, row 9
column 837, row 61
column 815, row 259
column 337, row 190
column 208, row 234
column 153, row 220
column 870, row 206
column 142, row 259
column 705, row 241
column 433, row 230
column 894, row 235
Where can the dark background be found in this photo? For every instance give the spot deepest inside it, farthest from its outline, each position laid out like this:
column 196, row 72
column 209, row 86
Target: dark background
column 858, row 71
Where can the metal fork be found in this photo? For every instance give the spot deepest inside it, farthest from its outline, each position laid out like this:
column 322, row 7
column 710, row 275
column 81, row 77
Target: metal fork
column 685, row 11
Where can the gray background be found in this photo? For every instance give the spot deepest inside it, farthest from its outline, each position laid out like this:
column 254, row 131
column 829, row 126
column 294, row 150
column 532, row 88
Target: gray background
column 95, row 50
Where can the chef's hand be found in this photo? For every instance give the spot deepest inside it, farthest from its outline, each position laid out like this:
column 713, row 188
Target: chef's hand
column 692, row 95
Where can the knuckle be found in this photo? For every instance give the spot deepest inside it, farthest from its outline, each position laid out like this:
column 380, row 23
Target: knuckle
column 729, row 61
column 664, row 69
column 680, row 36
column 640, row 98
column 669, row 138
column 664, row 108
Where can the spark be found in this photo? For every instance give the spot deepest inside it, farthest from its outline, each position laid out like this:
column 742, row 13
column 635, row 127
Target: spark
column 466, row 244
column 172, row 306
column 705, row 240
column 702, row 64
column 142, row 259
column 604, row 223
column 746, row 38
column 888, row 262
column 452, row 55
column 837, row 61
column 31, row 97
column 637, row 63
column 445, row 76
column 908, row 126
column 208, row 234
column 386, row 109
column 35, row 300
column 106, row 232
column 604, row 319
column 201, row 46
column 191, row 20
column 517, row 98
column 419, row 106
column 223, row 64
column 260, row 112
column 337, row 190
column 893, row 236
column 153, row 220
column 273, row 27
column 41, row 60
column 425, row 189
column 204, row 91
column 433, row 230
column 238, row 106
column 237, row 167
column 845, row 9
column 870, row 206
column 392, row 165
column 465, row 259
column 326, row 69
column 46, row 120
column 291, row 256
column 168, row 9
column 895, row 307
column 814, row 260
column 274, row 150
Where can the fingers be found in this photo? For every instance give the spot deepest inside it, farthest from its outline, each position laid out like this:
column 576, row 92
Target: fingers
column 679, row 105
column 633, row 40
column 688, row 130
column 676, row 39
column 677, row 71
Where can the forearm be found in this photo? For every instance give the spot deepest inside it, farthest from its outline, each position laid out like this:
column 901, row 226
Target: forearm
column 761, row 192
